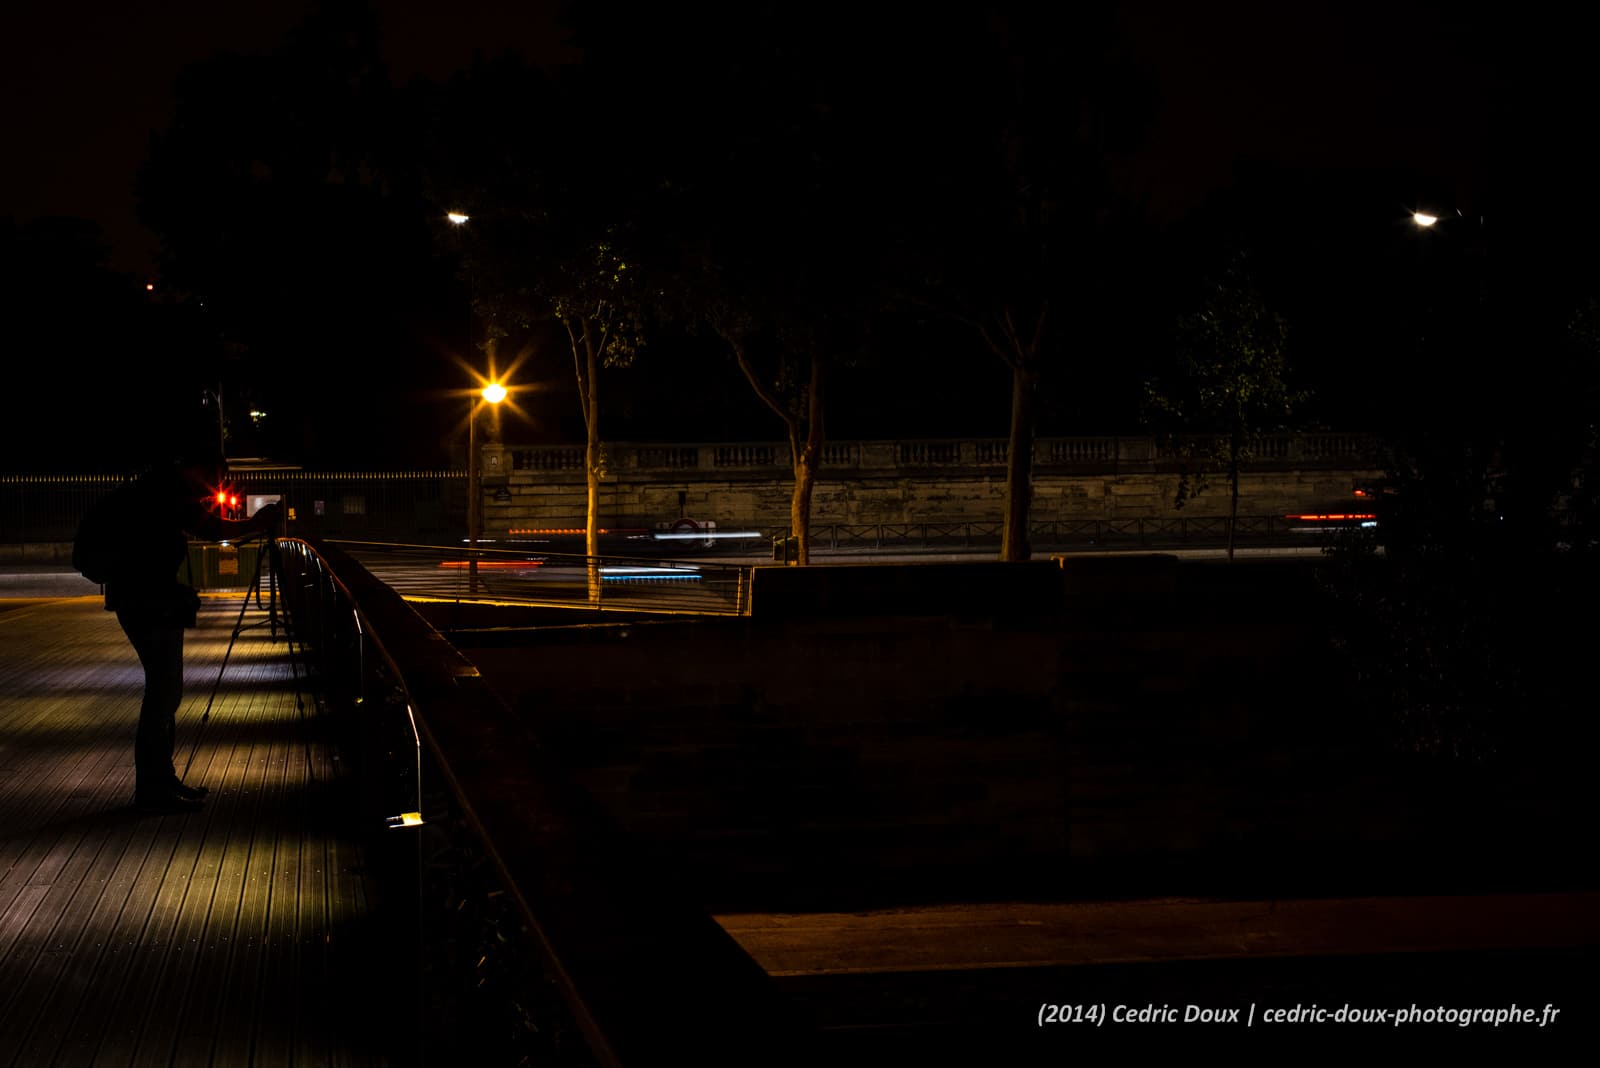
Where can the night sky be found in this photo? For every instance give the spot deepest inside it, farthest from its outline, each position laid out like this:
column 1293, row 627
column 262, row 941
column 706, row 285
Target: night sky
column 1329, row 122
column 85, row 86
column 1310, row 84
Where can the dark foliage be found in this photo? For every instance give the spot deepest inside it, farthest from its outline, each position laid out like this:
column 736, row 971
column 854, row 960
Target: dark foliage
column 283, row 196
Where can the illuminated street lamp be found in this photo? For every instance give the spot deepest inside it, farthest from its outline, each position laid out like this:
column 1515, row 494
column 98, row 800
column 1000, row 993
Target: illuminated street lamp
column 1421, row 218
column 493, row 393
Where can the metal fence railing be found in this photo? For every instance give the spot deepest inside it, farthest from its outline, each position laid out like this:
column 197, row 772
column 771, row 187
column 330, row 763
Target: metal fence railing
column 559, row 580
column 48, row 508
column 397, row 505
column 541, row 934
column 1107, row 454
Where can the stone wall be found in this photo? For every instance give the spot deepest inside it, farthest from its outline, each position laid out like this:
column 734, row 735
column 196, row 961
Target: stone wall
column 533, row 499
column 886, row 482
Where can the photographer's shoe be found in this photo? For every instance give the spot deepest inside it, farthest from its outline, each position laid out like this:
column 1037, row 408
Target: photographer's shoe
column 191, row 793
column 165, row 800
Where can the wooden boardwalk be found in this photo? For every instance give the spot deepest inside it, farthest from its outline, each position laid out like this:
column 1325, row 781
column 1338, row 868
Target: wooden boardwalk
column 243, row 934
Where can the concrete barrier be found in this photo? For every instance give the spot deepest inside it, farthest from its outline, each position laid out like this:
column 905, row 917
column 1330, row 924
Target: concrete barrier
column 937, row 589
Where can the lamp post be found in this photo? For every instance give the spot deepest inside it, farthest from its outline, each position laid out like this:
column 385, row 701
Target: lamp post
column 215, row 397
column 457, row 220
column 493, row 393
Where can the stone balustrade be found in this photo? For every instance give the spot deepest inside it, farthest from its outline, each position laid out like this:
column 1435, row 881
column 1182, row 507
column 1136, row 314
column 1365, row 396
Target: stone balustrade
column 1081, row 455
column 916, row 480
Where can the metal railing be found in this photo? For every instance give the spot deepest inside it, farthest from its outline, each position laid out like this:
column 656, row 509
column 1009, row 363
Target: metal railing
column 542, row 935
column 48, row 508
column 1105, row 454
column 346, row 504
column 557, row 580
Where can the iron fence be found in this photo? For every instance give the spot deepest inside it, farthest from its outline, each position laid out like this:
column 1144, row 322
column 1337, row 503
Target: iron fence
column 395, row 505
column 48, row 509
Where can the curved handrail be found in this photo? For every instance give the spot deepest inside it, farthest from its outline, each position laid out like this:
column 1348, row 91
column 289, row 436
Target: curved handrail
column 648, row 976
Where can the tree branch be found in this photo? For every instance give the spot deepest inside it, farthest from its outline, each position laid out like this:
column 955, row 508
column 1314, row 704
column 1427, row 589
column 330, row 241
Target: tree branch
column 767, row 396
column 577, row 367
column 988, row 338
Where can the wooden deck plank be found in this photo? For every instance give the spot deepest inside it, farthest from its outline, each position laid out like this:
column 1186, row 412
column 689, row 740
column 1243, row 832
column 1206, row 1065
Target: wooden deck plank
column 281, row 949
column 207, row 997
column 206, row 904
column 122, row 945
column 184, row 904
column 31, row 818
column 139, row 1005
column 15, row 920
column 313, row 901
column 61, row 1009
column 128, row 938
column 287, row 913
column 124, row 942
column 243, row 995
column 70, row 897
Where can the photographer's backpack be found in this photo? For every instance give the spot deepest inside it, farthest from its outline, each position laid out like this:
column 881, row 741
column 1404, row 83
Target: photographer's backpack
column 99, row 550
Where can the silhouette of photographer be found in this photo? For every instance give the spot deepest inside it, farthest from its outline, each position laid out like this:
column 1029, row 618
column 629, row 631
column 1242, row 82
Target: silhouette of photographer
column 153, row 518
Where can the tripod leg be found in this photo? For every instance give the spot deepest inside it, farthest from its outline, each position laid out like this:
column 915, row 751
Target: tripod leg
column 238, row 627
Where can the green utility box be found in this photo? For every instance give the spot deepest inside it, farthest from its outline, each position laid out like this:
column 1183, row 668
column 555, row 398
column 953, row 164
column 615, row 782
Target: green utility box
column 220, row 567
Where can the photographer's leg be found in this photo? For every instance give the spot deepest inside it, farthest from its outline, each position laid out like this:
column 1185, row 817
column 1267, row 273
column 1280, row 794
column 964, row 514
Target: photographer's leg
column 160, row 649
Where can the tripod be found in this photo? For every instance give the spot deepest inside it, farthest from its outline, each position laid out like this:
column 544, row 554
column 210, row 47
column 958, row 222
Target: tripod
column 268, row 554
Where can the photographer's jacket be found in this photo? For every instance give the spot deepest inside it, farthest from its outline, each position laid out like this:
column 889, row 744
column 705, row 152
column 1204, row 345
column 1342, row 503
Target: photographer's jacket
column 155, row 515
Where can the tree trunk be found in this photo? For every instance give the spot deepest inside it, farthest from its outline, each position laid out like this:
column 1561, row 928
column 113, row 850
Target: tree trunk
column 807, row 458
column 1019, row 464
column 804, row 456
column 800, row 508
column 591, row 463
column 1233, row 497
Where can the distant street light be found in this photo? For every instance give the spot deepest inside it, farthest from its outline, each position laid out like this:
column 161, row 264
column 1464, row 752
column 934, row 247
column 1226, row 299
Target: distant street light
column 493, row 393
column 1424, row 219
column 456, row 217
